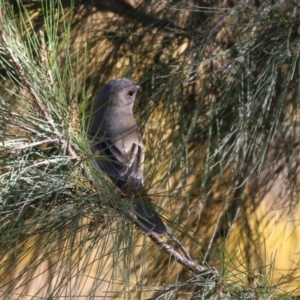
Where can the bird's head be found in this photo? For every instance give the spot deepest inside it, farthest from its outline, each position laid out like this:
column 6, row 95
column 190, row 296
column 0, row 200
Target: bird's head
column 120, row 92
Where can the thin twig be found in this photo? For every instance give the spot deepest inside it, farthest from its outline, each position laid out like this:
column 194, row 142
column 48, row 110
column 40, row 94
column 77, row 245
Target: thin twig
column 34, row 144
column 36, row 164
column 172, row 237
column 186, row 262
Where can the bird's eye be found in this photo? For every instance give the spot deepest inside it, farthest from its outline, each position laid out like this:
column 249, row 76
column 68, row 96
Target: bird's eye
column 131, row 93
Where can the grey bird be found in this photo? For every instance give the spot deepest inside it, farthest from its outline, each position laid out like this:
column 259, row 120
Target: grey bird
column 117, row 141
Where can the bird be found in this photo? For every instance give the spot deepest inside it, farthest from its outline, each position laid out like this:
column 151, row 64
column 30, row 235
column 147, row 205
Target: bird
column 118, row 145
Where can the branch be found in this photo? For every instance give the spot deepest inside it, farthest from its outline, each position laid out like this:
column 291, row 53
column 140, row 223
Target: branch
column 187, row 262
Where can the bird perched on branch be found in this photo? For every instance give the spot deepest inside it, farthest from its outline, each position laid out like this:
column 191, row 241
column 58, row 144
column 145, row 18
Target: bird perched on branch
column 117, row 141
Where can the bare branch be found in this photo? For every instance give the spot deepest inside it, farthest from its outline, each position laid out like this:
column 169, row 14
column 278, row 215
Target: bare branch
column 186, row 262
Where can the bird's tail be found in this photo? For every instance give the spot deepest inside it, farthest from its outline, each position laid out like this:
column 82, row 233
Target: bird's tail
column 147, row 217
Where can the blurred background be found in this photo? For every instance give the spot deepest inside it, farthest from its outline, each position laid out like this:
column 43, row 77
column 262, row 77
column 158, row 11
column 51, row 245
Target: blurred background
column 218, row 110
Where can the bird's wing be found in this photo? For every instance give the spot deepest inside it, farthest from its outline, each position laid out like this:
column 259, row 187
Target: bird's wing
column 121, row 162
